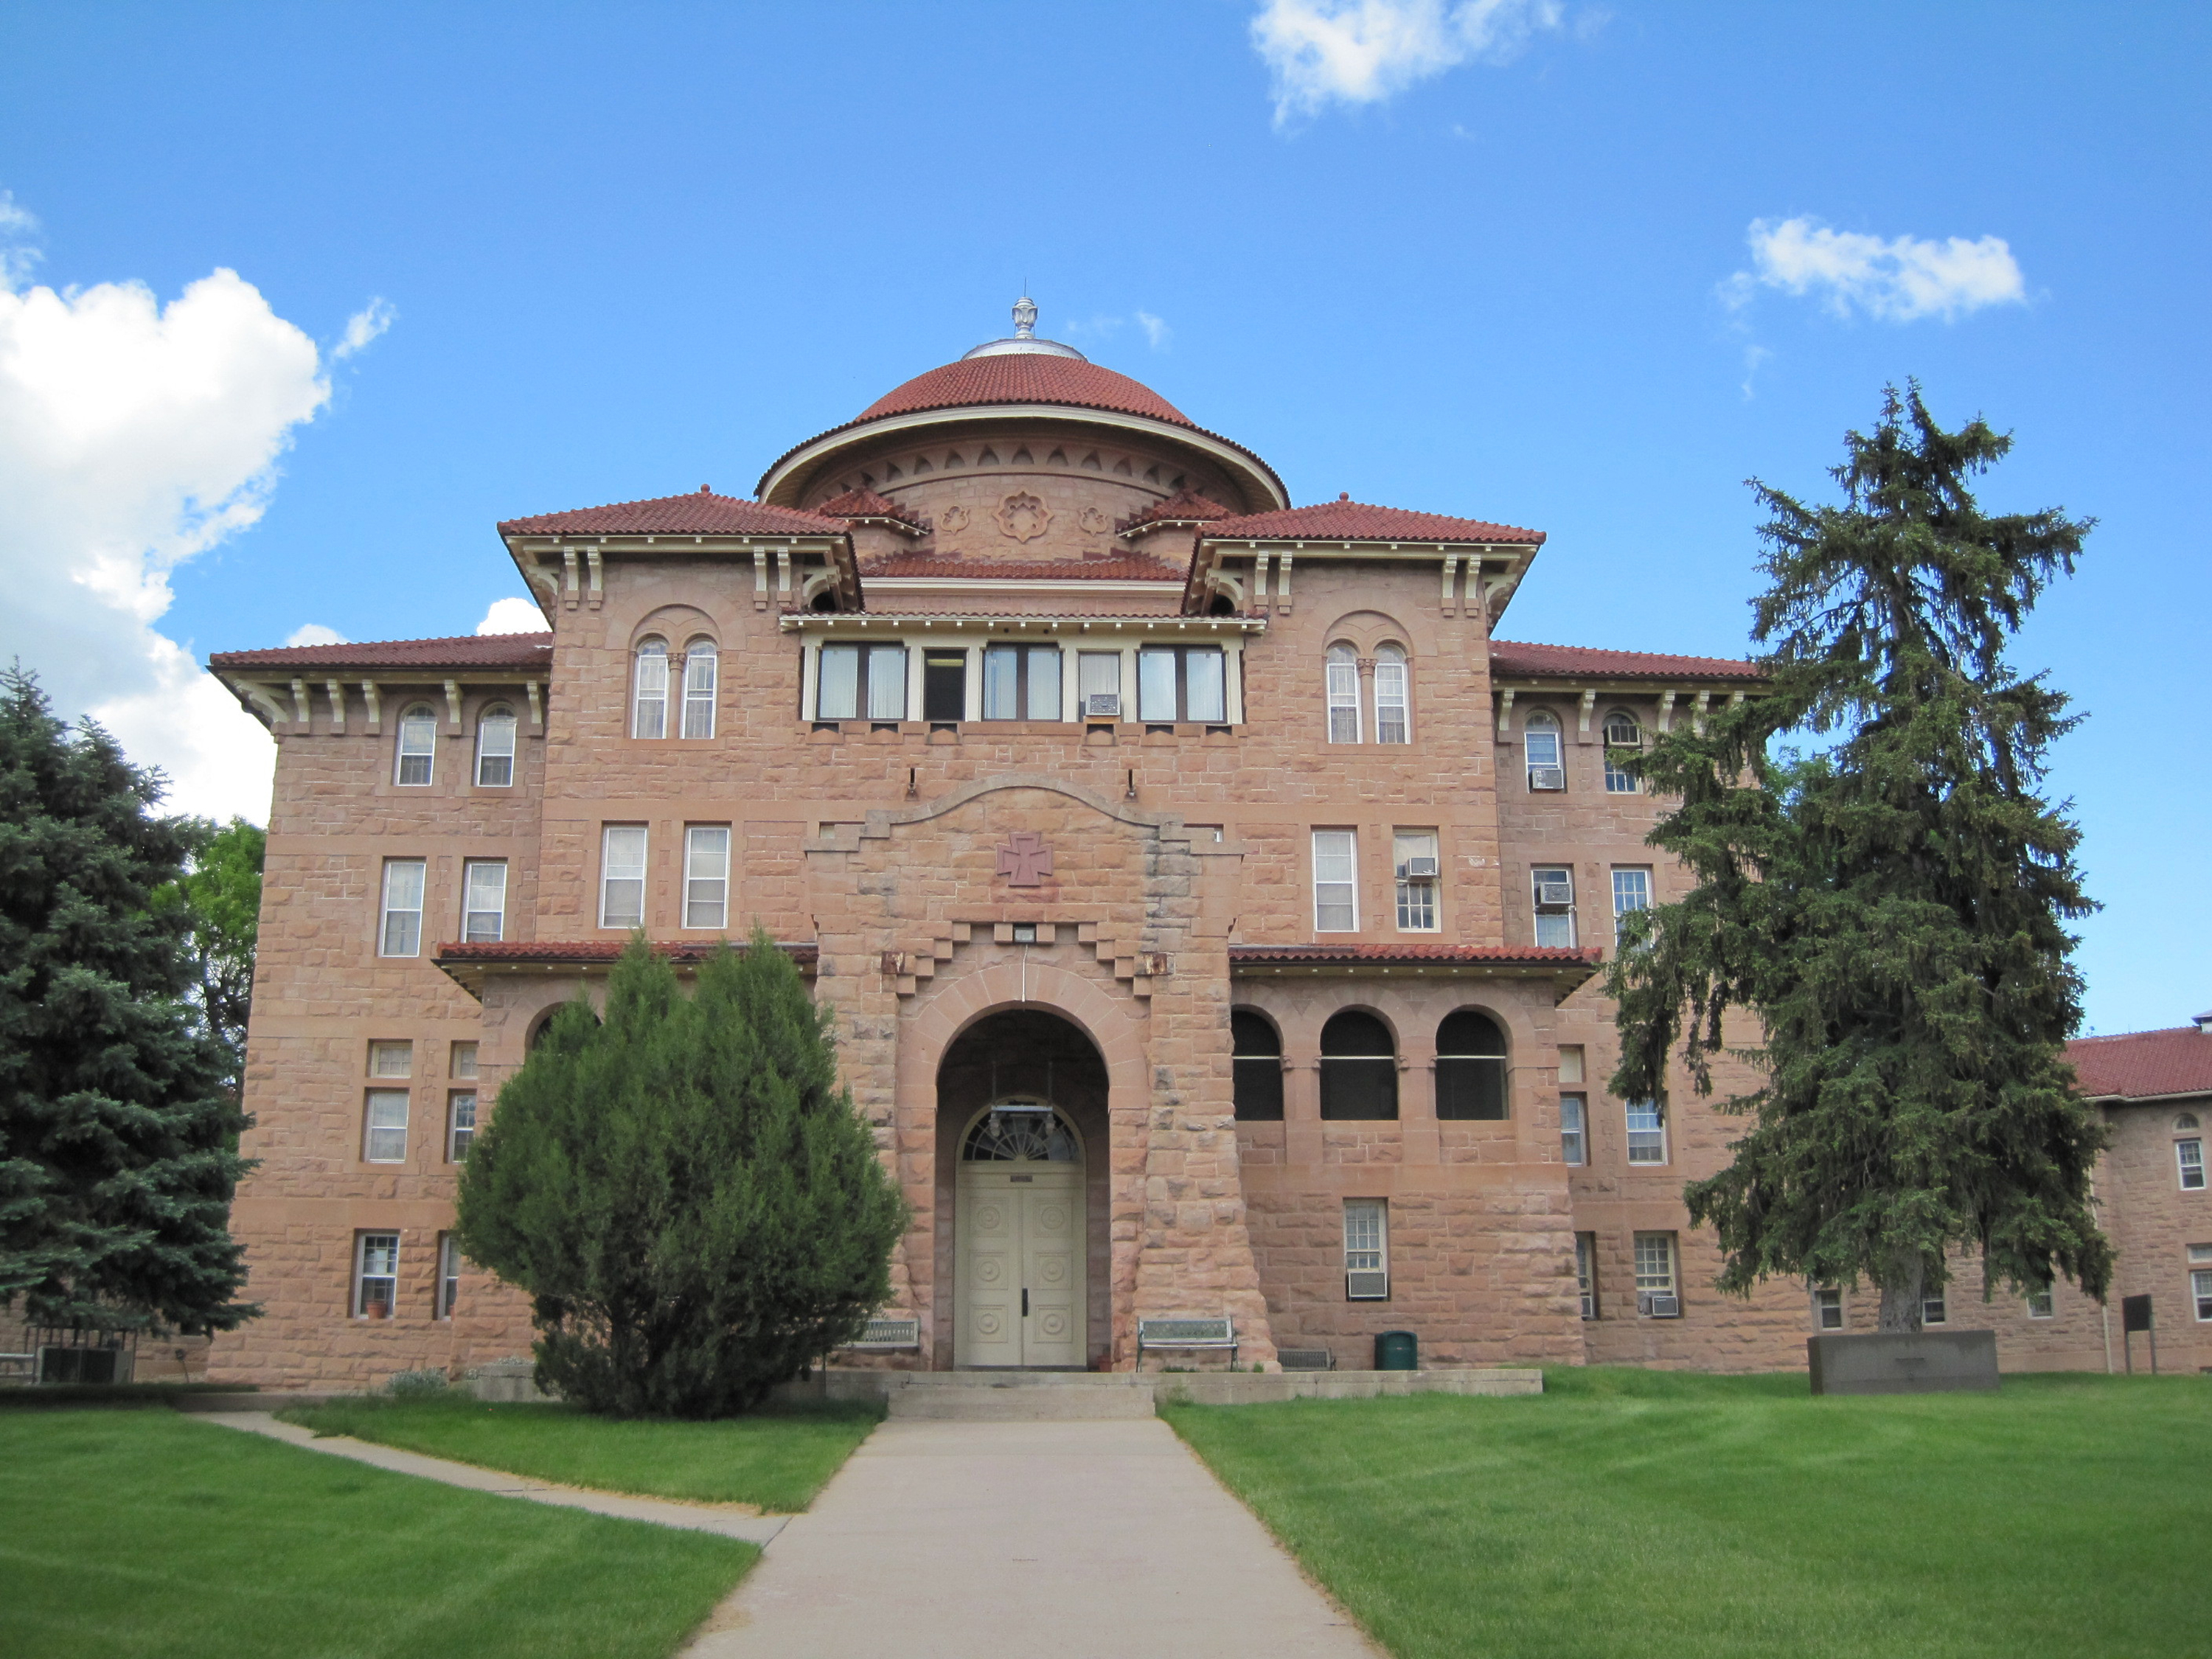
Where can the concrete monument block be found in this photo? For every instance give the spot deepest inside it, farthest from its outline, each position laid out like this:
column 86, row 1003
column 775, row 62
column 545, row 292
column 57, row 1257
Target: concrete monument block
column 1934, row 1362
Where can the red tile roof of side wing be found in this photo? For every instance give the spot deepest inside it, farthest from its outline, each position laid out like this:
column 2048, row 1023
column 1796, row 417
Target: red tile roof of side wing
column 1511, row 657
column 1534, row 956
column 865, row 503
column 592, row 951
column 1185, row 506
column 467, row 651
column 2144, row 1065
column 1127, row 567
column 1025, row 378
column 1358, row 521
column 700, row 513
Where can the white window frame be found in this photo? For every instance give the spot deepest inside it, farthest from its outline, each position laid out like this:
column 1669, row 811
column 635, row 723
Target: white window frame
column 375, row 1249
column 2042, row 1304
column 1648, row 1136
column 1574, row 1130
column 1632, row 892
column 495, row 726
column 1657, row 1260
column 1341, row 679
column 1617, row 781
column 1586, row 1273
column 384, row 1115
column 461, row 1062
column 391, row 1057
column 449, row 1274
column 1542, row 728
column 399, row 930
column 1935, row 1308
column 483, row 901
column 1347, row 860
column 878, row 679
column 1828, row 1313
column 707, row 876
column 1394, row 704
column 417, row 740
column 1552, row 914
column 1014, row 690
column 2189, row 1163
column 1098, row 674
column 2200, row 1291
column 1183, row 702
column 702, row 682
column 462, row 1106
column 624, row 875
column 1367, row 1247
column 649, row 716
column 1417, row 895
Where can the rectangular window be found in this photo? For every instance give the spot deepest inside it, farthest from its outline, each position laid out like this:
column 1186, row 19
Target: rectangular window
column 1181, row 683
column 384, row 1140
column 1552, row 887
column 1366, row 1250
column 1539, row 741
column 1391, row 725
column 1631, row 891
column 418, row 745
column 650, row 716
column 462, row 1063
column 1656, row 1296
column 700, row 664
column 707, row 876
column 1647, row 1131
column 2039, row 1304
column 484, row 911
column 1415, row 855
column 375, row 1275
column 460, row 1125
column 1336, row 901
column 2200, row 1287
column 449, row 1274
column 402, row 933
column 1098, row 684
column 1827, row 1309
column 1573, row 1131
column 1933, row 1310
column 861, row 681
column 1623, row 739
column 1586, row 1272
column 622, row 877
column 1343, row 696
column 391, row 1059
column 2188, row 1157
column 945, row 685
column 1021, row 683
column 495, row 750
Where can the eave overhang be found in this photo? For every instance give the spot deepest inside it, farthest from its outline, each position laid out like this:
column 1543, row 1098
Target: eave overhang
column 470, row 966
column 1567, row 970
column 1494, row 570
column 561, row 570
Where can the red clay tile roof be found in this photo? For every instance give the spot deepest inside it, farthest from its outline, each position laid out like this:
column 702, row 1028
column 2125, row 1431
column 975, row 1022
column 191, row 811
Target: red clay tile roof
column 1531, row 956
column 1357, row 521
column 526, row 651
column 701, row 513
column 1514, row 658
column 1025, row 378
column 1127, row 567
column 865, row 503
column 1184, row 507
column 594, row 950
column 2144, row 1063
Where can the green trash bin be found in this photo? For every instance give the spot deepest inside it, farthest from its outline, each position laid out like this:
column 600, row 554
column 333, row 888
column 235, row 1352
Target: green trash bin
column 1397, row 1351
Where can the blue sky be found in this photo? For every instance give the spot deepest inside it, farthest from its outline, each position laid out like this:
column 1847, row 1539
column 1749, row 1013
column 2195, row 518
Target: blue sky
column 1480, row 259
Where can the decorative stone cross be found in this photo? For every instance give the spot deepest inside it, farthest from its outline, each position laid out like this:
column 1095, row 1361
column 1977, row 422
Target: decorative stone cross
column 1025, row 860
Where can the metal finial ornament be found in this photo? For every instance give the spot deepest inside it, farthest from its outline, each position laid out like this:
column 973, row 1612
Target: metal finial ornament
column 1024, row 318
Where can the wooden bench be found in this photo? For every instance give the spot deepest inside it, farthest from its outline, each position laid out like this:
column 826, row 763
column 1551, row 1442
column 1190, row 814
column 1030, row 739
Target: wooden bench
column 1186, row 1333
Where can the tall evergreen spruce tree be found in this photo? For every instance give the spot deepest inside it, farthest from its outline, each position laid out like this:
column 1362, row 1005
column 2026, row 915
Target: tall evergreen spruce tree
column 694, row 1206
column 117, row 1124
column 1891, row 911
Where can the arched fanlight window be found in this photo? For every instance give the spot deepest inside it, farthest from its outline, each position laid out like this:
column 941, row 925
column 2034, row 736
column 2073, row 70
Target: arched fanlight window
column 1539, row 740
column 1470, row 1067
column 1022, row 1131
column 700, row 663
column 1343, row 694
column 1256, row 1067
column 1624, row 738
column 495, row 747
column 651, row 718
column 1358, row 1067
column 1393, row 720
column 418, row 744
column 2186, row 1121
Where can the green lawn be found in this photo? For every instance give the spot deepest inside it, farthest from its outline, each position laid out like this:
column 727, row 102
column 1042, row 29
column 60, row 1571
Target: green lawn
column 777, row 1458
column 1640, row 1513
column 147, row 1534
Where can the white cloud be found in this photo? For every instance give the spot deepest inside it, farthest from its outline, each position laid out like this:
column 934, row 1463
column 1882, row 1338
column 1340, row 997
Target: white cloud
column 512, row 616
column 363, row 327
column 18, row 253
column 1157, row 334
column 314, row 633
column 133, row 437
column 1896, row 281
column 1364, row 52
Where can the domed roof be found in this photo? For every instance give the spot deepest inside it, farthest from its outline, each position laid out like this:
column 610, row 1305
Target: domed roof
column 1025, row 378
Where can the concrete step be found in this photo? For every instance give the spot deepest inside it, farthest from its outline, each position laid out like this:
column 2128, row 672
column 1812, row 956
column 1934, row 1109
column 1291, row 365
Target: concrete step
column 962, row 1399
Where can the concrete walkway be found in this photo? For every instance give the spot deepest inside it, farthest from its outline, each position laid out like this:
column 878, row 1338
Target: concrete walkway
column 976, row 1540
column 730, row 1523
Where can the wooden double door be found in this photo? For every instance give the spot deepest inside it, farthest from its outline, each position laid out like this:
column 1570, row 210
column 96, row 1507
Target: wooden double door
column 1020, row 1262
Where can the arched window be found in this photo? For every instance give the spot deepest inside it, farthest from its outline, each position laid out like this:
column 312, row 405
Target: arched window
column 1622, row 738
column 1393, row 722
column 1022, row 1131
column 495, row 747
column 1343, row 694
column 651, row 718
column 699, row 666
column 1470, row 1068
column 2187, row 1120
column 1358, row 1067
column 1256, row 1069
column 418, row 744
column 1540, row 738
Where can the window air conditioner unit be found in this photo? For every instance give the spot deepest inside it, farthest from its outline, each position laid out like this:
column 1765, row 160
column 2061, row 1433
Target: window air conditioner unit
column 1561, row 893
column 1367, row 1286
column 1654, row 1305
column 1547, row 777
column 1103, row 705
column 1418, row 870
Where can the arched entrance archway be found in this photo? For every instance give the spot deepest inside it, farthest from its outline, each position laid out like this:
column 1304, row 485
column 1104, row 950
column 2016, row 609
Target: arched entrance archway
column 1023, row 1139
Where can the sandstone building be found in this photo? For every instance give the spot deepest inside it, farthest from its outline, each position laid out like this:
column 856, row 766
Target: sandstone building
column 1209, row 902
